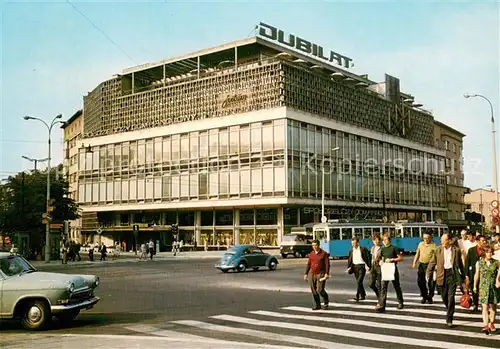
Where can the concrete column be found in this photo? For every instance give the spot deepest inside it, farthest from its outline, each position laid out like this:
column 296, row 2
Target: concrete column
column 197, row 227
column 281, row 224
column 236, row 222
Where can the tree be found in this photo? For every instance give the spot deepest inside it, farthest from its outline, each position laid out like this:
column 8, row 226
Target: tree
column 23, row 200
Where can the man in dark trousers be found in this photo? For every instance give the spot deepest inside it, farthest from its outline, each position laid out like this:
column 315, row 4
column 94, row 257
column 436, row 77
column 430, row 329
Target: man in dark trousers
column 390, row 254
column 358, row 263
column 318, row 265
column 447, row 263
column 473, row 256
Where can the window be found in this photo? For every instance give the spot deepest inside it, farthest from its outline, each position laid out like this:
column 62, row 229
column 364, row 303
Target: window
column 117, row 194
column 81, row 192
column 133, row 189
column 223, row 142
column 141, row 152
column 175, row 186
column 224, row 183
column 214, row 142
column 185, row 146
column 149, row 151
column 125, row 191
column 203, row 145
column 141, row 189
column 213, row 180
column 150, row 184
column 234, row 141
column 193, row 185
column 245, row 181
column 279, row 136
column 193, row 153
column 118, row 157
column 446, row 145
column 256, row 139
column 256, row 181
column 267, row 138
column 175, row 147
column 244, row 139
column 185, row 185
column 234, row 182
column 166, row 149
column 158, row 150
column 165, row 186
column 203, row 183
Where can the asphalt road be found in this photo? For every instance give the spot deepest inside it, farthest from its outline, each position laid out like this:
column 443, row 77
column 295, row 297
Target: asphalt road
column 139, row 298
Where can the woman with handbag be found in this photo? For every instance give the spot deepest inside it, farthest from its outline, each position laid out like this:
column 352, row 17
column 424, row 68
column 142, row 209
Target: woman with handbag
column 487, row 282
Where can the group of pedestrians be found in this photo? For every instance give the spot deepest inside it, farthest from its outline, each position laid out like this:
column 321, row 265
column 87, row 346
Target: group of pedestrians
column 468, row 264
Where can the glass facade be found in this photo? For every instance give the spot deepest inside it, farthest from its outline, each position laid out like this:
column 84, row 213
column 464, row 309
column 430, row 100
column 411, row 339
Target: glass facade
column 360, row 169
column 239, row 161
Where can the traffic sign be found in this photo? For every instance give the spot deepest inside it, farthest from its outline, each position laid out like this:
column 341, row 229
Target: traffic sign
column 495, row 212
column 99, row 231
column 494, row 204
column 324, row 219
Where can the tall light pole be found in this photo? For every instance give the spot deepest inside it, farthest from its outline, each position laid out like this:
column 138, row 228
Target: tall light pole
column 47, row 225
column 493, row 130
column 323, row 217
column 35, row 161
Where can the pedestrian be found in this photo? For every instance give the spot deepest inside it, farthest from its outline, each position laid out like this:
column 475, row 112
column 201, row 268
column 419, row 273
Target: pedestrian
column 103, row 252
column 358, row 263
column 447, row 263
column 144, row 251
column 424, row 254
column 487, row 286
column 390, row 254
column 151, row 249
column 318, row 265
column 471, row 260
column 375, row 282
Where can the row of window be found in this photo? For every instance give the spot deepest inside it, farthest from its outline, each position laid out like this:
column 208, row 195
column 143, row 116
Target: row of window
column 229, row 141
column 259, row 181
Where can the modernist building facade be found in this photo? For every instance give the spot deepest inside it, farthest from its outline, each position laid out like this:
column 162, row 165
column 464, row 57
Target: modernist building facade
column 233, row 144
column 451, row 141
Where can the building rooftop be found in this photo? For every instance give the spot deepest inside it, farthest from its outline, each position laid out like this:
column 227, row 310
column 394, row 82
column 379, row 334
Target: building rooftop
column 71, row 119
column 449, row 128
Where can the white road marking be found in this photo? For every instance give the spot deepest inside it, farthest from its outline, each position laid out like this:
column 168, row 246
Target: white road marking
column 348, row 333
column 268, row 335
column 369, row 323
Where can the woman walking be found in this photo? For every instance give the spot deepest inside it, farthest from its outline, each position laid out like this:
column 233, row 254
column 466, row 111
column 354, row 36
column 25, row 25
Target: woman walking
column 487, row 282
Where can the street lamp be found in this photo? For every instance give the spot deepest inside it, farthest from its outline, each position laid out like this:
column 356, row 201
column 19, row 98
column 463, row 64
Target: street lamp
column 493, row 130
column 35, row 161
column 323, row 217
column 47, row 225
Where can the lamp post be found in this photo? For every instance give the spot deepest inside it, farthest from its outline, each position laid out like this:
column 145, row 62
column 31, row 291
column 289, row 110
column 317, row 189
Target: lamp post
column 35, row 161
column 493, row 131
column 323, row 217
column 47, row 225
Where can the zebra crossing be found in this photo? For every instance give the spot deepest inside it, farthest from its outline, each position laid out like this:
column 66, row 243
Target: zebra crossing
column 345, row 324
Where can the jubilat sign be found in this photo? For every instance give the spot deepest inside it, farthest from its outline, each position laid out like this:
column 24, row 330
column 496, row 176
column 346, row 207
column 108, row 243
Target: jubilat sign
column 271, row 33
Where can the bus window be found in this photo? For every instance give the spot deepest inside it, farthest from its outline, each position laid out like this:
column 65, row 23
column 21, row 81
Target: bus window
column 407, row 232
column 415, row 232
column 334, row 234
column 358, row 232
column 346, row 233
column 367, row 233
column 320, row 234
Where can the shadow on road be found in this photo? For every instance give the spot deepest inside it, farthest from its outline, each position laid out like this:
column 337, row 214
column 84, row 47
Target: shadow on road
column 82, row 321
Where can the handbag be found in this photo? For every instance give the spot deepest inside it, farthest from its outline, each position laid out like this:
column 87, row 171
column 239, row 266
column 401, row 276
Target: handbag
column 466, row 299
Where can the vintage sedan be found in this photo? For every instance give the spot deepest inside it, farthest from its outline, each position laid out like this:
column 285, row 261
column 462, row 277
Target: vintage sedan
column 242, row 257
column 34, row 297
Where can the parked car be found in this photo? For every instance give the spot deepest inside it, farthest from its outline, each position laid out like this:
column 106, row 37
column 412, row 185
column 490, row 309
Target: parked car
column 296, row 244
column 34, row 297
column 242, row 257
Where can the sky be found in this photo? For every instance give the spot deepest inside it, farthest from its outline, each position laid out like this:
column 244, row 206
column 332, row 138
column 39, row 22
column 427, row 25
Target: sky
column 53, row 53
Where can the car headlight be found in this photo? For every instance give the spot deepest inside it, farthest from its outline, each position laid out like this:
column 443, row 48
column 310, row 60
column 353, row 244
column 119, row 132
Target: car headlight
column 71, row 288
column 96, row 282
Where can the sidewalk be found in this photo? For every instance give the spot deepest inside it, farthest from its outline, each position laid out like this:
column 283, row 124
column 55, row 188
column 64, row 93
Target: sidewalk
column 132, row 257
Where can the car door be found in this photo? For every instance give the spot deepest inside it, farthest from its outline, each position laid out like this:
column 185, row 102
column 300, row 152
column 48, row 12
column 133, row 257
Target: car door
column 259, row 257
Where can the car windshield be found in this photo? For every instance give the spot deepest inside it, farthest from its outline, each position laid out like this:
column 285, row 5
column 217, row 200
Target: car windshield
column 15, row 265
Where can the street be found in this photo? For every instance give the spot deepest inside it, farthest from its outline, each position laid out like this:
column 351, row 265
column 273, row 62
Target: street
column 187, row 303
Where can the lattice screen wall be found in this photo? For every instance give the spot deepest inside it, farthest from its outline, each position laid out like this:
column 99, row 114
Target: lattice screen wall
column 110, row 109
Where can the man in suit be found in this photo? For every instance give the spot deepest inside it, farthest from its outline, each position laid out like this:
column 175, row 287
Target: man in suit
column 358, row 263
column 447, row 263
column 472, row 257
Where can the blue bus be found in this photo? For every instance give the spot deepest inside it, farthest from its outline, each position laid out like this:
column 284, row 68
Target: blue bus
column 335, row 235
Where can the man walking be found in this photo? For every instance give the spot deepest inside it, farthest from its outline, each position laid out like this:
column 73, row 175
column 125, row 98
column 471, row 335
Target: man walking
column 390, row 254
column 425, row 252
column 358, row 263
column 449, row 268
column 318, row 265
column 375, row 283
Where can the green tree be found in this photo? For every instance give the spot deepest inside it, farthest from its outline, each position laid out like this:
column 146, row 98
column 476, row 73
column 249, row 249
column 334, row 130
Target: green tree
column 24, row 199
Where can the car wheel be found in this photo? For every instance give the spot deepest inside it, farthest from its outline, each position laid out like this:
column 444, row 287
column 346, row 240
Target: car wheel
column 67, row 317
column 284, row 255
column 241, row 267
column 297, row 254
column 273, row 264
column 35, row 315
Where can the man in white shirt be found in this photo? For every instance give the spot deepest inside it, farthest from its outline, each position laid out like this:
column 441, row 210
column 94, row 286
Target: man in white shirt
column 449, row 268
column 358, row 263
